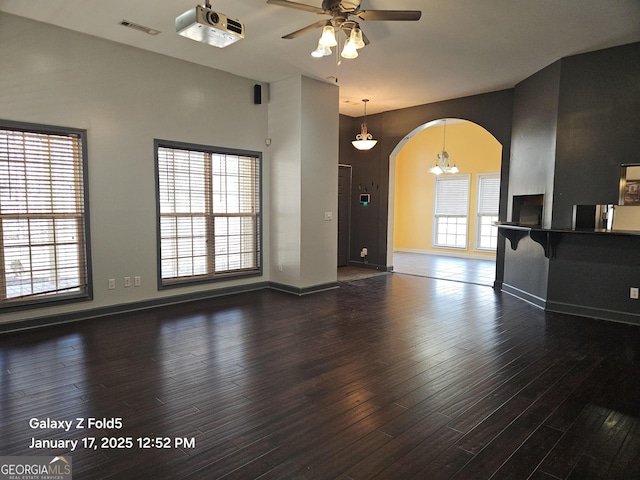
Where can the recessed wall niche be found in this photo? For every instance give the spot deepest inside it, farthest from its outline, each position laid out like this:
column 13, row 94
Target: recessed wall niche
column 527, row 210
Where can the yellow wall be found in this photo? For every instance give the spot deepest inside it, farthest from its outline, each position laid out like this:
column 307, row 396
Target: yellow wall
column 474, row 151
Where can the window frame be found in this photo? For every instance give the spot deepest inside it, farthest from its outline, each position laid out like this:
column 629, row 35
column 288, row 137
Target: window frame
column 436, row 215
column 84, row 247
column 208, row 277
column 479, row 214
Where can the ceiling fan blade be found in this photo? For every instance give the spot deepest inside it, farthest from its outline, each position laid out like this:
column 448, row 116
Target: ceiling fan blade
column 302, row 31
column 402, row 15
column 296, row 5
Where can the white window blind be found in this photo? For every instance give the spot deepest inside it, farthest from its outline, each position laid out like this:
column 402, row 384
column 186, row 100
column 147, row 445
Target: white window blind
column 488, row 194
column 452, row 196
column 42, row 216
column 451, row 211
column 487, row 214
column 209, row 205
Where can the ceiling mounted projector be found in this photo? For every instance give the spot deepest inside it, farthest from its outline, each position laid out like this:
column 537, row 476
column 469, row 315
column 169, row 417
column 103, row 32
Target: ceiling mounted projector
column 204, row 25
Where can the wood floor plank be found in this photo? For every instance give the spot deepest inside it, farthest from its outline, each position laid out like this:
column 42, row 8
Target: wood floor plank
column 563, row 458
column 434, row 444
column 396, row 447
column 589, row 468
column 445, row 465
column 526, row 458
column 626, row 462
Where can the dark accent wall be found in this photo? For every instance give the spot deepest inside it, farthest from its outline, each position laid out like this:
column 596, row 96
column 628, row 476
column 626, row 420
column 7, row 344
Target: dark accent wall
column 598, row 132
column 533, row 141
column 591, row 276
column 368, row 176
column 493, row 111
column 598, row 127
column 575, row 124
column 535, row 113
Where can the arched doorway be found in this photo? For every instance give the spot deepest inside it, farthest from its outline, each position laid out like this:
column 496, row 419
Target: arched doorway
column 436, row 235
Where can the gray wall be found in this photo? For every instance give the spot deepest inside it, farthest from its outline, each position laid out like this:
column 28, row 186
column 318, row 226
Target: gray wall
column 125, row 98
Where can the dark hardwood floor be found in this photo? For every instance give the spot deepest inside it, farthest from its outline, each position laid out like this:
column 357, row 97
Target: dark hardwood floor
column 388, row 377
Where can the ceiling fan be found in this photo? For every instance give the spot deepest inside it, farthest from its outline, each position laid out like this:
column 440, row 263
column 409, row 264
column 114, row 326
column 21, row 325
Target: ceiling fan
column 341, row 12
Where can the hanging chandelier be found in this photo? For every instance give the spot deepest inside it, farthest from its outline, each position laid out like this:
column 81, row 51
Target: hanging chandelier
column 364, row 140
column 443, row 165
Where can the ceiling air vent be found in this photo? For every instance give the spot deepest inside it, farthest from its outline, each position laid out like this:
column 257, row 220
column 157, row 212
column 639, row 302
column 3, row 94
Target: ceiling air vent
column 140, row 28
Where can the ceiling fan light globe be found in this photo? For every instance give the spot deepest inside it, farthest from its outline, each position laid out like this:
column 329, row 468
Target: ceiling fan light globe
column 356, row 38
column 349, row 50
column 328, row 37
column 321, row 51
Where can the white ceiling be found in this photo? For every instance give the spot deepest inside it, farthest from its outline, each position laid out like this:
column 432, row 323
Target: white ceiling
column 457, row 48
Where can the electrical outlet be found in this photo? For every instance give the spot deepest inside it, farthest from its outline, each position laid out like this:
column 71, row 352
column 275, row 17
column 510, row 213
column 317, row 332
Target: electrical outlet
column 112, row 284
column 137, row 281
column 633, row 293
column 127, row 282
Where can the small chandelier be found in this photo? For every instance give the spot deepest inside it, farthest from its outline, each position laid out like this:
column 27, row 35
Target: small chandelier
column 364, row 140
column 443, row 165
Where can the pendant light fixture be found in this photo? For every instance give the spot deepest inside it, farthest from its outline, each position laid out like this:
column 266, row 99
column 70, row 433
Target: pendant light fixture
column 443, row 165
column 364, row 140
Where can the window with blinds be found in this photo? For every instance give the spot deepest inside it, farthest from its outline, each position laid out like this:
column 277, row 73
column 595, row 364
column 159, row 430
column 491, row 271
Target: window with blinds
column 451, row 211
column 488, row 206
column 43, row 223
column 209, row 205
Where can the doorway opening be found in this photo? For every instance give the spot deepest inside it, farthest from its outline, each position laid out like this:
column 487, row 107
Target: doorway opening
column 441, row 226
column 344, row 214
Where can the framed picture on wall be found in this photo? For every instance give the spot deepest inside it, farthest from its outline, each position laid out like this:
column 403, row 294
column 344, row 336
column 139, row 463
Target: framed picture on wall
column 630, row 185
column 631, row 194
